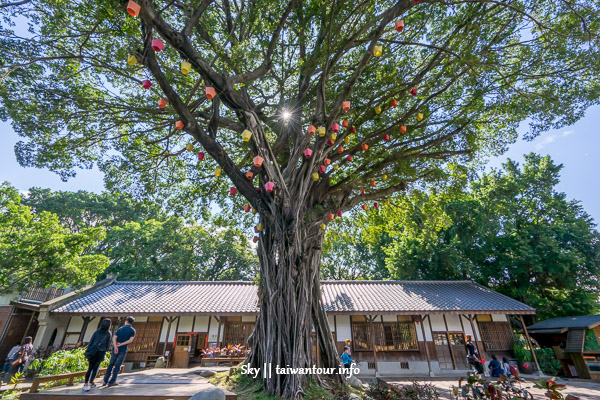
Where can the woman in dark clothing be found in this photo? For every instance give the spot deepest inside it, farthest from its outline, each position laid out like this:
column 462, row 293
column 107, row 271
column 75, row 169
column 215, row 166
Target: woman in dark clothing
column 495, row 367
column 473, row 355
column 95, row 352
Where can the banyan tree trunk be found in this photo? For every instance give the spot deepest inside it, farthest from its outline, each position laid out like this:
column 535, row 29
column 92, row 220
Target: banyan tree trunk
column 290, row 306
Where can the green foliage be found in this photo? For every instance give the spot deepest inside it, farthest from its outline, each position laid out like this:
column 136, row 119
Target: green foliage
column 591, row 342
column 414, row 391
column 474, row 387
column 548, row 362
column 66, row 361
column 553, row 390
column 521, row 349
column 16, row 379
column 36, row 250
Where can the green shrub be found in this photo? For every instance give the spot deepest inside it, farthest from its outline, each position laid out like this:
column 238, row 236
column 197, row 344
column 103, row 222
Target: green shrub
column 591, row 341
column 64, row 362
column 548, row 362
column 521, row 349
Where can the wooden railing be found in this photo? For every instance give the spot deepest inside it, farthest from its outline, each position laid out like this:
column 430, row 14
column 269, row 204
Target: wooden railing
column 41, row 294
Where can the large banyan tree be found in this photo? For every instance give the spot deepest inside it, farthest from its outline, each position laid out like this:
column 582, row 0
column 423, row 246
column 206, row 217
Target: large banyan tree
column 299, row 110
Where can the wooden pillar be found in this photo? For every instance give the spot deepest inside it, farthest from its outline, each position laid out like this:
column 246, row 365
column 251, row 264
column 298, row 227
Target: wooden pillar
column 170, row 321
column 28, row 326
column 86, row 322
column 449, row 343
column 475, row 336
column 219, row 332
column 371, row 319
column 530, row 345
column 425, row 341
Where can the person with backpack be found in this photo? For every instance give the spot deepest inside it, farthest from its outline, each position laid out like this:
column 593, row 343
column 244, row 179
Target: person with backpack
column 510, row 368
column 473, row 355
column 95, row 352
column 22, row 356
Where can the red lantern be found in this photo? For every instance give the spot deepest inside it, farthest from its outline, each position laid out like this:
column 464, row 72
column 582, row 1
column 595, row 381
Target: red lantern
column 403, row 129
column 258, row 160
column 345, row 123
column 376, row 205
column 373, row 183
column 146, row 84
column 365, row 147
column 307, row 153
column 352, row 130
column 210, row 92
column 339, row 213
column 400, row 25
column 340, row 149
column 157, row 45
column 346, row 105
column 386, row 137
column 256, row 238
column 335, row 127
column 349, row 158
column 413, row 91
column 394, row 103
column 322, row 169
column 249, row 175
column 232, row 191
column 362, row 191
column 269, row 186
column 246, row 208
column 311, row 130
column 179, row 125
column 200, row 156
column 162, row 103
column 327, row 161
column 258, row 189
column 331, row 216
column 364, row 207
column 133, row 8
column 330, row 142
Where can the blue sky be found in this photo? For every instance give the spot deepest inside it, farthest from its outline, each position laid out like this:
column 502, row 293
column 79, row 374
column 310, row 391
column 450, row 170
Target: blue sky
column 574, row 147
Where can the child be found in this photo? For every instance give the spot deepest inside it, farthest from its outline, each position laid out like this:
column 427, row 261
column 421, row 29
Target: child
column 346, row 360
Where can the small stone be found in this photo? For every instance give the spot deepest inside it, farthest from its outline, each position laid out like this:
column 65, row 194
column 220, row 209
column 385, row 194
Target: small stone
column 209, row 394
column 355, row 382
column 207, row 373
column 354, row 396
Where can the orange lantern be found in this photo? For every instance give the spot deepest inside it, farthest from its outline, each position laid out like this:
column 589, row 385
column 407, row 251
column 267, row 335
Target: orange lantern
column 179, row 125
column 330, row 216
column 327, row 161
column 373, row 183
column 364, row 207
column 249, row 175
column 340, row 149
column 365, row 147
column 246, row 208
column 345, row 123
column 133, row 8
column 157, row 45
column 394, row 103
column 346, row 105
column 210, row 92
column 162, row 103
column 399, row 25
column 258, row 160
column 403, row 129
column 311, row 130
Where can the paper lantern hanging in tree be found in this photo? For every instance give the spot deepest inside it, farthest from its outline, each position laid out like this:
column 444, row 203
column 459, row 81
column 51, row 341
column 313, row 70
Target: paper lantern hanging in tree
column 376, row 205
column 413, row 91
column 258, row 160
column 322, row 131
column 249, row 175
column 200, row 156
column 179, row 125
column 254, row 211
column 323, row 227
column 394, row 103
column 377, row 110
column 269, row 186
column 330, row 142
column 133, row 8
column 403, row 129
column 377, row 50
column 311, row 130
column 333, row 136
column 384, row 177
column 210, row 92
column 352, row 129
column 246, row 208
column 307, row 153
column 259, row 227
column 162, row 103
column 157, row 45
column 345, row 123
column 364, row 207
column 232, row 191
column 315, row 176
column 335, row 127
column 340, row 213
column 340, row 149
column 373, row 183
column 146, row 84
column 327, row 161
column 365, row 147
column 255, row 239
column 362, row 191
column 322, row 169
column 186, row 67
column 131, row 60
column 399, row 26
column 246, row 135
column 217, row 172
column 419, row 117
column 335, row 167
column 349, row 158
column 386, row 137
column 346, row 105
column 189, row 147
column 330, row 216
column 347, row 139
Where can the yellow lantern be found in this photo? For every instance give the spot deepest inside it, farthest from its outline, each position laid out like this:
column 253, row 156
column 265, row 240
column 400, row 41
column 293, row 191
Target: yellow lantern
column 323, row 227
column 377, row 51
column 322, row 131
column 384, row 177
column 131, row 60
column 347, row 139
column 186, row 67
column 189, row 147
column 315, row 176
column 246, row 135
column 335, row 167
column 419, row 117
column 377, row 110
column 259, row 227
column 217, row 172
column 333, row 136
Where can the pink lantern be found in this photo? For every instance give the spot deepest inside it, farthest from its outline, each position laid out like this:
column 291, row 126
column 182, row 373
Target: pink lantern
column 210, row 92
column 133, row 8
column 376, row 205
column 335, row 127
column 232, row 191
column 258, row 160
column 339, row 213
column 322, row 169
column 399, row 25
column 146, row 84
column 349, row 158
column 308, row 153
column 269, row 186
column 413, row 91
column 157, row 45
column 386, row 137
column 179, row 125
column 200, row 156
column 362, row 191
column 311, row 130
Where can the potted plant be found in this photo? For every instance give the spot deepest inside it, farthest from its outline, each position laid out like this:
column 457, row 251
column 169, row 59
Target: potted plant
column 523, row 355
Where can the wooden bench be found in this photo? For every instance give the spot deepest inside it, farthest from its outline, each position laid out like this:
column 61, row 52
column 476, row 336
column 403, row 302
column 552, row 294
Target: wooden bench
column 229, row 360
column 70, row 377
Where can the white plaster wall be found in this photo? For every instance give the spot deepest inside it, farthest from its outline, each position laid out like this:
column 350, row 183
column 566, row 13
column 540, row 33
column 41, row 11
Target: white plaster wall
column 165, row 327
column 214, row 329
column 453, row 321
column 468, row 330
column 343, row 328
column 91, row 328
column 437, row 323
column 141, row 319
column 201, row 324
column 75, row 325
column 186, row 324
column 419, row 331
column 390, row 318
column 499, row 318
column 331, row 324
column 248, row 318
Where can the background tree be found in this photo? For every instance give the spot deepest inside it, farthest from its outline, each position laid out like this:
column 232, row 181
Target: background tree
column 478, row 68
column 36, row 250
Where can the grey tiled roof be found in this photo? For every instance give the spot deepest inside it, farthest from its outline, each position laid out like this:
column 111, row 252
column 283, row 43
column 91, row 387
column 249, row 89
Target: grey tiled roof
column 173, row 298
column 581, row 321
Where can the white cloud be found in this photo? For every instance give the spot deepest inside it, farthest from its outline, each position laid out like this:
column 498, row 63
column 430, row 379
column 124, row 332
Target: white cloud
column 567, row 133
column 546, row 141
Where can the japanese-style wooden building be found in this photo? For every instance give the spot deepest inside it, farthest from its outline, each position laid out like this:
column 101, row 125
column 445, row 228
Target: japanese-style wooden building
column 397, row 328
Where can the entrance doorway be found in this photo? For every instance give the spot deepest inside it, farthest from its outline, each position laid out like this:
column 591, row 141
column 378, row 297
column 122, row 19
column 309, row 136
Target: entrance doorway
column 457, row 346
column 181, row 352
column 442, row 348
column 451, row 351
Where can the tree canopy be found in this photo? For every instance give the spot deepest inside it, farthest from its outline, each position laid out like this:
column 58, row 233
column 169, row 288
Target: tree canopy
column 36, row 250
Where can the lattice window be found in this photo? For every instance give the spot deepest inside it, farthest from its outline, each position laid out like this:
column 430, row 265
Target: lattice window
column 497, row 336
column 146, row 337
column 389, row 336
column 237, row 333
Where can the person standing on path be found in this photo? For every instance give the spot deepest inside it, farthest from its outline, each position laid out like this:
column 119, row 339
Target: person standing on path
column 121, row 340
column 95, row 352
column 473, row 355
column 22, row 356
